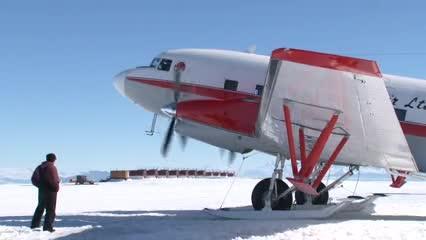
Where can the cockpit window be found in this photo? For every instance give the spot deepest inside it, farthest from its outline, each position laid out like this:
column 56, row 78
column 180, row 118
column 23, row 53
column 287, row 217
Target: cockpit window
column 155, row 62
column 161, row 64
column 165, row 64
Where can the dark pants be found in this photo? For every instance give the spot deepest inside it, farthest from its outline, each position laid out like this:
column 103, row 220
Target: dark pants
column 46, row 200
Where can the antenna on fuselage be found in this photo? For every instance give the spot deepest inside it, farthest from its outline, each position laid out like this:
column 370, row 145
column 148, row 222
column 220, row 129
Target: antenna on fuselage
column 251, row 49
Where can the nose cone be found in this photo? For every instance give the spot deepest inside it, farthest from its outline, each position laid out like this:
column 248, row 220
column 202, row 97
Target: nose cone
column 119, row 83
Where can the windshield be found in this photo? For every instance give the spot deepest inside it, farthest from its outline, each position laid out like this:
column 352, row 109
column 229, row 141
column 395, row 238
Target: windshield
column 162, row 64
column 155, row 62
column 165, row 64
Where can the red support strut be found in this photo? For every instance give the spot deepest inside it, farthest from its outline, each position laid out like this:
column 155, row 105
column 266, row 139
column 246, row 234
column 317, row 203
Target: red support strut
column 291, row 145
column 309, row 162
column 319, row 146
column 398, row 181
column 302, row 146
column 330, row 162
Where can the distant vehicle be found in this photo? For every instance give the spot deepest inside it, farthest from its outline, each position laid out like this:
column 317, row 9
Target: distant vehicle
column 343, row 110
column 81, row 179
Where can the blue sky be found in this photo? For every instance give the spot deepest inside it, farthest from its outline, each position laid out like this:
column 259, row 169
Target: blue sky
column 57, row 60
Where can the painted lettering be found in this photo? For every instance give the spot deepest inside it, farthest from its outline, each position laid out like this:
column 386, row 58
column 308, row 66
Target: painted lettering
column 414, row 100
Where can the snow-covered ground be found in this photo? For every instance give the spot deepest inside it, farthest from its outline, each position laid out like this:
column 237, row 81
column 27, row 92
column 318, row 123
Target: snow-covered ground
column 172, row 209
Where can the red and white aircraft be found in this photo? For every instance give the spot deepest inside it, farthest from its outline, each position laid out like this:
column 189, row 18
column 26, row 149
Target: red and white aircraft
column 313, row 108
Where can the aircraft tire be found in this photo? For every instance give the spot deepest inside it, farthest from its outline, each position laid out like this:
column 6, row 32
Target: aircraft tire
column 261, row 190
column 322, row 199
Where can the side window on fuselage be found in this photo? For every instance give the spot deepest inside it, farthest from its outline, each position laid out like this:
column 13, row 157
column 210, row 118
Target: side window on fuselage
column 400, row 114
column 231, row 85
column 165, row 65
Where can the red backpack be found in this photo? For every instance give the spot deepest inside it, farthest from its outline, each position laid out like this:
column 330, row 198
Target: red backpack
column 36, row 177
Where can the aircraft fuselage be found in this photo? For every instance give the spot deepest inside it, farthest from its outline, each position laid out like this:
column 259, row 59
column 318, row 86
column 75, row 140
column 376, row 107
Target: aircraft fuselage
column 220, row 95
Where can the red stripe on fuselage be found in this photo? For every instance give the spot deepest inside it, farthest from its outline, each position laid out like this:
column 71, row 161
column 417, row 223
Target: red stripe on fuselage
column 243, row 118
column 201, row 90
column 330, row 61
column 413, row 129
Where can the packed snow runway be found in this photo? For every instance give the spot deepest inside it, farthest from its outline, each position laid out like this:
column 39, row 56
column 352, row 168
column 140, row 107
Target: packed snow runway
column 172, row 209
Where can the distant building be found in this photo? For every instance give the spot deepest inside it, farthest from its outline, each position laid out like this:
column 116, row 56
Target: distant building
column 167, row 173
column 120, row 175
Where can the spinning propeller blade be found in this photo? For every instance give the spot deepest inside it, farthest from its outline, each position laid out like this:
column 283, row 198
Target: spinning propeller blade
column 177, row 86
column 169, row 135
column 168, row 138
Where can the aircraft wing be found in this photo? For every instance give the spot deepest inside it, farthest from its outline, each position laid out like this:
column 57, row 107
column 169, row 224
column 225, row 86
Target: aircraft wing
column 315, row 86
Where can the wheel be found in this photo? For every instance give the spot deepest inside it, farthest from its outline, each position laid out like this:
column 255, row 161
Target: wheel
column 322, row 199
column 260, row 192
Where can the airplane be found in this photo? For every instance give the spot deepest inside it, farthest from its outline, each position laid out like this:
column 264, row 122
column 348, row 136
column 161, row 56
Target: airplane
column 315, row 109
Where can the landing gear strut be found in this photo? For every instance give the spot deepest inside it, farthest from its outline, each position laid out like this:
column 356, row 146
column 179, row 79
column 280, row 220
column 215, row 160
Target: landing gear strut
column 306, row 179
column 259, row 196
column 273, row 193
column 322, row 198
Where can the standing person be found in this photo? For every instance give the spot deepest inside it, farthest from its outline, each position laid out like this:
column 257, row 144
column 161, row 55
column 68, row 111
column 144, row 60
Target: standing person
column 46, row 178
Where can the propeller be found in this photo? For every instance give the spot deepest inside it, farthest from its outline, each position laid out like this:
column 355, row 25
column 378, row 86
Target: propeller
column 171, row 111
column 177, row 85
column 168, row 138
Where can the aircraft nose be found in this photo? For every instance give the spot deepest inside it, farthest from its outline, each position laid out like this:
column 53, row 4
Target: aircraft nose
column 119, row 82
